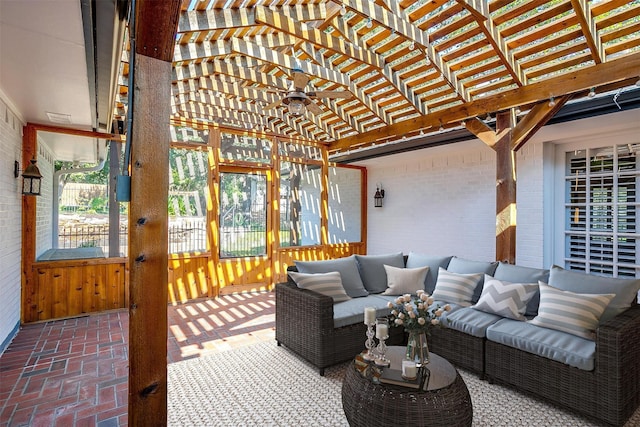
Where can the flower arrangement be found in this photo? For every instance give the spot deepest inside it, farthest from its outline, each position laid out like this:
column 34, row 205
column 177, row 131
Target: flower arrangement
column 417, row 313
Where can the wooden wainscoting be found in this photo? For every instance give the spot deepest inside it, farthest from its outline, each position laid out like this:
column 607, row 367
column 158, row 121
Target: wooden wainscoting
column 75, row 287
column 190, row 277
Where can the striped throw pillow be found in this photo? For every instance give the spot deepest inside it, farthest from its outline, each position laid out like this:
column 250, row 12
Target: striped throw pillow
column 456, row 288
column 505, row 299
column 329, row 284
column 565, row 311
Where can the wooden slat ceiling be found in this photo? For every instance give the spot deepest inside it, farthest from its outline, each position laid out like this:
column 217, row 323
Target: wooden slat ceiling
column 407, row 64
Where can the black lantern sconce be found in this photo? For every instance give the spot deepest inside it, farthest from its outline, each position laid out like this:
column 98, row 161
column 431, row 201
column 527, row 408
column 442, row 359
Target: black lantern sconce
column 377, row 198
column 31, row 178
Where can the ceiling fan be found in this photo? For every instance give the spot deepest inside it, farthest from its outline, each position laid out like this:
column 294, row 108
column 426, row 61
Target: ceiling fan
column 298, row 101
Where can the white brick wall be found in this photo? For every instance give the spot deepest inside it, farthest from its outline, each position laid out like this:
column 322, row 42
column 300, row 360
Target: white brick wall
column 438, row 201
column 10, row 223
column 44, row 226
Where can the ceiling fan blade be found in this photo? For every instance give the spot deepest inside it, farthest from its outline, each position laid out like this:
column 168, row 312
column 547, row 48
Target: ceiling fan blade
column 300, row 80
column 314, row 108
column 272, row 105
column 330, row 94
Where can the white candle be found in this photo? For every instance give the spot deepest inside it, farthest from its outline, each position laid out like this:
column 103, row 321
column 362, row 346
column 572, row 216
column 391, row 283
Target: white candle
column 382, row 331
column 369, row 316
column 409, row 369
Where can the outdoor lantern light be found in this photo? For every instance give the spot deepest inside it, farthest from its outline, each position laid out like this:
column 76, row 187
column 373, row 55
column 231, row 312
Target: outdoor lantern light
column 296, row 107
column 377, row 198
column 31, row 180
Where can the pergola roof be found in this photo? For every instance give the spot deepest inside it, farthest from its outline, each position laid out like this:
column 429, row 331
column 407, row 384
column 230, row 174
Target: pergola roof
column 408, row 65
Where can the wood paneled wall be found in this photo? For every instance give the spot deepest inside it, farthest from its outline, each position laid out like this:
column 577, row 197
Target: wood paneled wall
column 76, row 287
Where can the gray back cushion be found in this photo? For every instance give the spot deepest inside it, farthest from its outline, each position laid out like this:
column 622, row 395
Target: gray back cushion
column 465, row 266
column 415, row 260
column 347, row 267
column 626, row 290
column 372, row 272
column 517, row 274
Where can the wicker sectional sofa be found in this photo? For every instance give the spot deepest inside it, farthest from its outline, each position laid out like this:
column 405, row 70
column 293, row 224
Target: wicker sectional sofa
column 597, row 377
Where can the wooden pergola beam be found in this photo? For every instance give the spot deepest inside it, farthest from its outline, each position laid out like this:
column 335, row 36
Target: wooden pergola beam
column 621, row 71
column 537, row 117
column 402, row 26
column 588, row 27
column 480, row 10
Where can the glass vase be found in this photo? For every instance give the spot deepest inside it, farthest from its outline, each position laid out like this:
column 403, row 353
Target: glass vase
column 417, row 348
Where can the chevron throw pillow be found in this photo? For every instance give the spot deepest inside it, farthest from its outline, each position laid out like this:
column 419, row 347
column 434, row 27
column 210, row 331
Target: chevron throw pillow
column 505, row 299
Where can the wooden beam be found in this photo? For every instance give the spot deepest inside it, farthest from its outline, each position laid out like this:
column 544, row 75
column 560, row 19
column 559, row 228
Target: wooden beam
column 621, row 71
column 156, row 23
column 537, row 117
column 405, row 28
column 588, row 27
column 76, row 132
column 481, row 130
column 29, row 312
column 505, row 189
column 148, row 240
column 209, row 69
column 480, row 10
column 214, row 19
column 335, row 44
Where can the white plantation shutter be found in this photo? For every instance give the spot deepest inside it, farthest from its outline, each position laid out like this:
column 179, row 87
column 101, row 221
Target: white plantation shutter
column 601, row 210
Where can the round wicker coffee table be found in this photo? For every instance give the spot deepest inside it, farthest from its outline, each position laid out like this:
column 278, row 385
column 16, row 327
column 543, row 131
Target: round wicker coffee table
column 445, row 402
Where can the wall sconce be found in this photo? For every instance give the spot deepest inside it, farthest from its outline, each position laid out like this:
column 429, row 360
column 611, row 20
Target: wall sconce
column 377, row 198
column 31, row 178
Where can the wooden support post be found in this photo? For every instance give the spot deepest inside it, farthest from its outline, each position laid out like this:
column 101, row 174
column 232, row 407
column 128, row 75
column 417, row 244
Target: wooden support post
column 29, row 303
column 148, row 237
column 505, row 189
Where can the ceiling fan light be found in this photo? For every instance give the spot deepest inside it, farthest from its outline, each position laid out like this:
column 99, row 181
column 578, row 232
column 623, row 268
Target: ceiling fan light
column 296, row 107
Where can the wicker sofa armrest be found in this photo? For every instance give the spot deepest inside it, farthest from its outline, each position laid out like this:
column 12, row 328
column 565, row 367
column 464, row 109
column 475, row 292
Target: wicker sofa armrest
column 617, row 367
column 304, row 323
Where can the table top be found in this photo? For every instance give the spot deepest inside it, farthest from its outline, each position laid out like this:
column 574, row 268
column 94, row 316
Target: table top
column 442, row 373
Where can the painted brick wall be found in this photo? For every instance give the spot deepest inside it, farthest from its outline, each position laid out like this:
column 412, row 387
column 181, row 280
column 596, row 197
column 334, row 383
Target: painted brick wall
column 438, row 201
column 530, row 203
column 44, row 225
column 10, row 223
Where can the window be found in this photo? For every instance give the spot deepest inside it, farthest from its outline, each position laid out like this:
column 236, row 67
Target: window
column 601, row 210
column 300, row 192
column 243, row 214
column 188, row 200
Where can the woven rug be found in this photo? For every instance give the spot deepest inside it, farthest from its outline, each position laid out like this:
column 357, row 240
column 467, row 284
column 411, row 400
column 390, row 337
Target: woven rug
column 267, row 385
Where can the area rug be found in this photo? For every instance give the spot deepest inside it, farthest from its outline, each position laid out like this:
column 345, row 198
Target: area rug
column 267, row 385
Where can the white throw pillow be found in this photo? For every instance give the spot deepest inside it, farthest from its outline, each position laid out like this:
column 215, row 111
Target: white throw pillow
column 577, row 314
column 402, row 281
column 329, row 284
column 505, row 299
column 456, row 288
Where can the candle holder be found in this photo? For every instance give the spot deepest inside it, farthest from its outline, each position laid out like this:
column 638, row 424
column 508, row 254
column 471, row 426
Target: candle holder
column 370, row 344
column 382, row 333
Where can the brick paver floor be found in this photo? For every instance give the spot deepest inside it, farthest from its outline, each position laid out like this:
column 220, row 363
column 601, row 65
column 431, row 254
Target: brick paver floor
column 74, row 372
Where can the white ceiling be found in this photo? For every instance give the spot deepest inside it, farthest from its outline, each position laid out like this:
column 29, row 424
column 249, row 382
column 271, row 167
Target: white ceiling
column 43, row 69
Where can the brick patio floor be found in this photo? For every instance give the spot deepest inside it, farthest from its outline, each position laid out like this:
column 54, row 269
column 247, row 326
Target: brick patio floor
column 74, row 372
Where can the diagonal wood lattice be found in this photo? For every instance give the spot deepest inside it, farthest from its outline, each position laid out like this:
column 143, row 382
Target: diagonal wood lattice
column 411, row 66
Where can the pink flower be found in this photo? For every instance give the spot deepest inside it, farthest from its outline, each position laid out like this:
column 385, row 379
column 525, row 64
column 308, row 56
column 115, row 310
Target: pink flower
column 406, row 297
column 419, row 292
column 412, row 315
column 398, row 322
column 394, row 312
column 390, row 304
column 439, row 312
column 421, row 320
column 430, row 300
column 401, row 315
column 424, row 297
column 421, row 306
column 435, row 321
column 447, row 307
